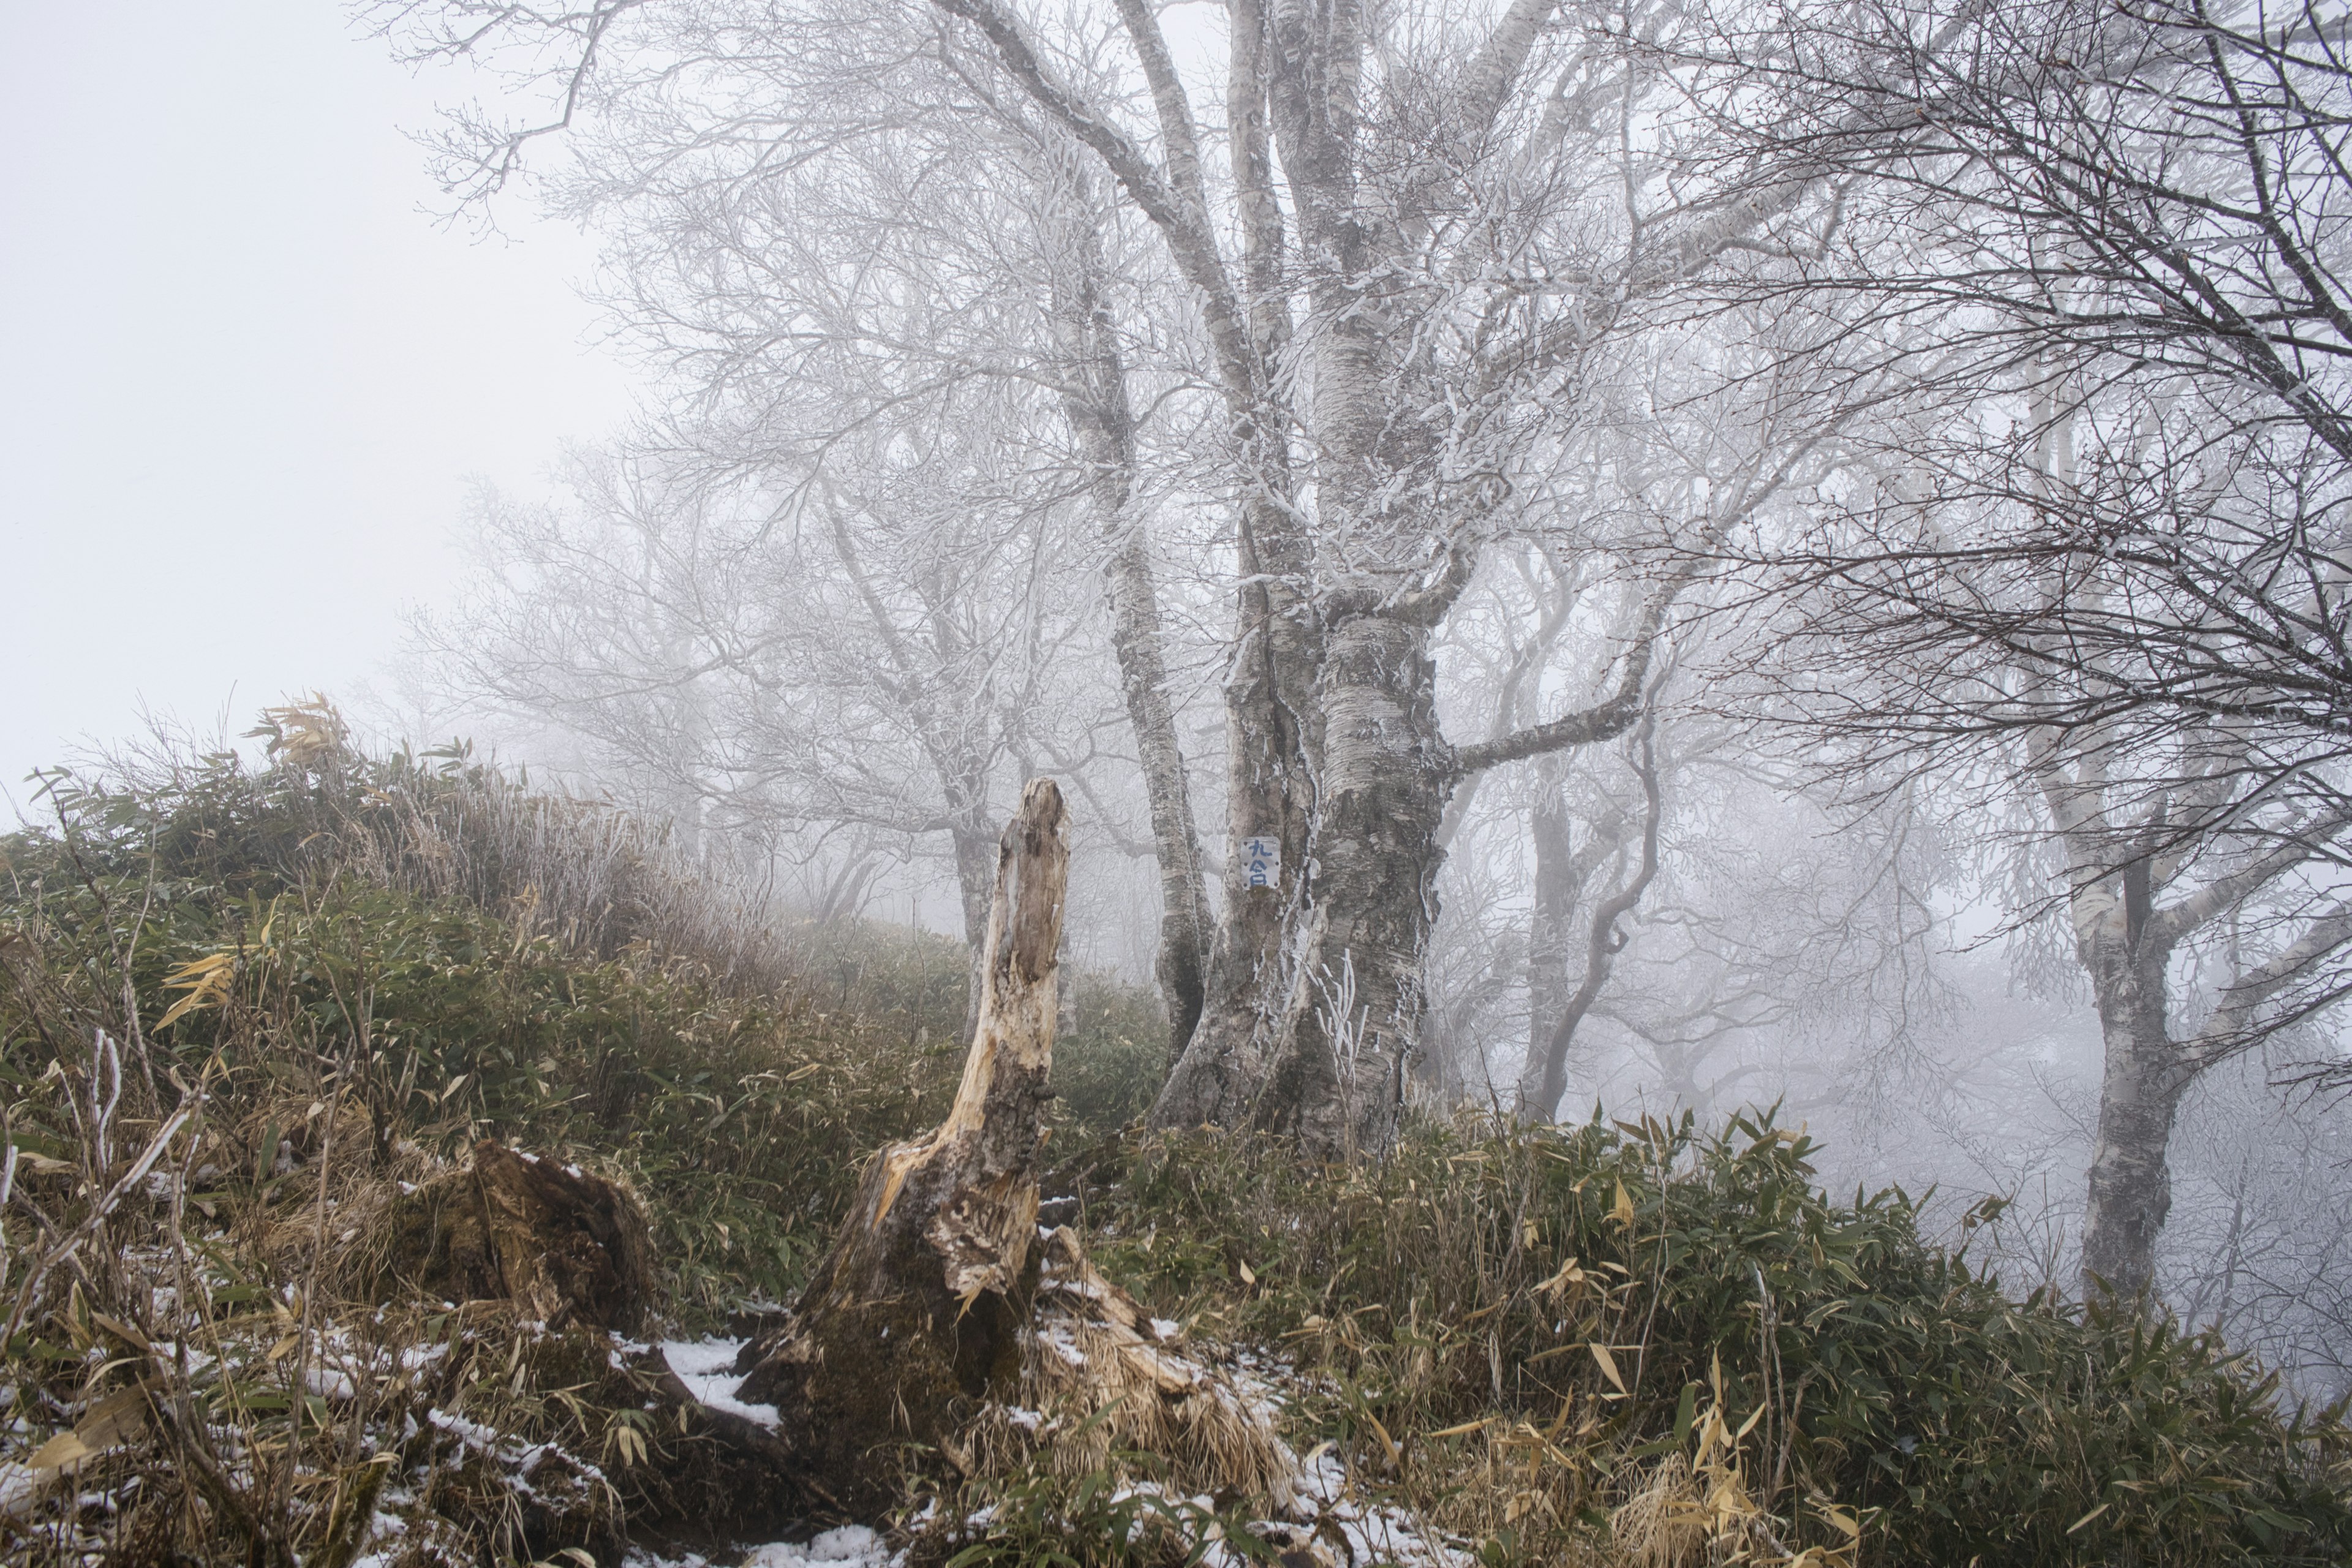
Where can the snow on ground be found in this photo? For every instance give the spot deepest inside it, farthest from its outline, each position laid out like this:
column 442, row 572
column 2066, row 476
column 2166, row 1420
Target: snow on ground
column 1327, row 1526
column 20, row 1485
column 850, row 1546
column 707, row 1367
column 1335, row 1523
column 1373, row 1532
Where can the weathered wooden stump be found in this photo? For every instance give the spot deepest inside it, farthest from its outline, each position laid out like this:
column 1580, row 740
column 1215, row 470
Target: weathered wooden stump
column 916, row 1318
column 570, row 1249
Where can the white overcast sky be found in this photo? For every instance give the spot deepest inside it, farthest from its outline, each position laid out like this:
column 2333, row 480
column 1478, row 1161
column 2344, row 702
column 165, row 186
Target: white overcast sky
column 244, row 375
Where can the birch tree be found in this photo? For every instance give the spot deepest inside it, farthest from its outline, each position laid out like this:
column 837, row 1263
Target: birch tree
column 2104, row 537
column 1397, row 243
column 870, row 654
column 821, row 299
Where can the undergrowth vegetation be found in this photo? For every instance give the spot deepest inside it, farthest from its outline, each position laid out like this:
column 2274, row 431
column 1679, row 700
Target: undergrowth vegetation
column 247, row 1008
column 1530, row 1328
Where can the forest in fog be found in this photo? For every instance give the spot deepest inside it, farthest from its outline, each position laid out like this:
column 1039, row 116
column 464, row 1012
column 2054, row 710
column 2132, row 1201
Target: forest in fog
column 1654, row 558
column 1318, row 783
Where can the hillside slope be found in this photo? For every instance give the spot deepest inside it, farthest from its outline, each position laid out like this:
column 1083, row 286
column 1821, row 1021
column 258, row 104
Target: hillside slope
column 252, row 1014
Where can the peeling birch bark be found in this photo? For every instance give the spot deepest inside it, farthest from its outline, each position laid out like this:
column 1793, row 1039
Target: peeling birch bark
column 1269, row 697
column 1354, row 1019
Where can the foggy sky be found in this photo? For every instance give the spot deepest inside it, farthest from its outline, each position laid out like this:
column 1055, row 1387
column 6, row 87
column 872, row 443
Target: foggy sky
column 246, row 376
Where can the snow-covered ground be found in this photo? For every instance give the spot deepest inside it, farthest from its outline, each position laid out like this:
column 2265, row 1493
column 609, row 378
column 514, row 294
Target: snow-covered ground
column 1331, row 1527
column 707, row 1367
column 1369, row 1532
column 850, row 1546
column 1331, row 1523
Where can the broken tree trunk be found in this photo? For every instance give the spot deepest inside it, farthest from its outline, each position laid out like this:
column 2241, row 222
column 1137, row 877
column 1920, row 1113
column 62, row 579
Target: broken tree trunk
column 916, row 1316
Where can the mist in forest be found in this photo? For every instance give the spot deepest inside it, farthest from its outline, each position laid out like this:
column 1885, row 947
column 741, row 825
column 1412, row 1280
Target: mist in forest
column 1613, row 560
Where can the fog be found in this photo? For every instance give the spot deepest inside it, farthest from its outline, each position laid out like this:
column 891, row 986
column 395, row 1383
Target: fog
column 1682, row 620
column 249, row 377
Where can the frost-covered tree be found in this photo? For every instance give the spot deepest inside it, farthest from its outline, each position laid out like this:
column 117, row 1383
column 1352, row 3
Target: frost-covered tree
column 1392, row 249
column 2094, row 543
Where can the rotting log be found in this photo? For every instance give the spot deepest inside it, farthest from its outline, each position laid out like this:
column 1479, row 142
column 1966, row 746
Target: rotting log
column 916, row 1318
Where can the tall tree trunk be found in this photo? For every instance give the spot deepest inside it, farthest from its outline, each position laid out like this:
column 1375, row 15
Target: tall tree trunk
column 1338, row 1083
column 1268, row 789
column 914, row 1315
column 1367, row 821
column 1295, row 70
column 1562, row 869
column 1603, row 941
column 1269, row 689
column 1094, row 399
column 1186, row 926
column 2125, row 946
column 2141, row 1082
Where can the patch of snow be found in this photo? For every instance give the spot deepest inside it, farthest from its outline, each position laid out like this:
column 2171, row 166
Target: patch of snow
column 1372, row 1531
column 850, row 1546
column 328, row 1383
column 385, row 1527
column 1321, row 1479
column 20, row 1485
column 1387, row 1534
column 483, row 1440
column 1164, row 1329
column 640, row 1557
column 707, row 1367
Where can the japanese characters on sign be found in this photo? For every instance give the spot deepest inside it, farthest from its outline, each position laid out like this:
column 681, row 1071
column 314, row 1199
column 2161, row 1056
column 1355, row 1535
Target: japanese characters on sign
column 1261, row 862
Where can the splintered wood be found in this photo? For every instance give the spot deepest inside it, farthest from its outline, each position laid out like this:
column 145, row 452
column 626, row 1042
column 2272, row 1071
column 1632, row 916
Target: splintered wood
column 937, row 1312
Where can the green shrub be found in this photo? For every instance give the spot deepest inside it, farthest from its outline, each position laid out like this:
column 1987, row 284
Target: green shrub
column 741, row 1102
column 1468, row 1279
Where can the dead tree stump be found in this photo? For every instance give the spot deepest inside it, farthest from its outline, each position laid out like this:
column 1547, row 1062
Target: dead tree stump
column 916, row 1316
column 568, row 1249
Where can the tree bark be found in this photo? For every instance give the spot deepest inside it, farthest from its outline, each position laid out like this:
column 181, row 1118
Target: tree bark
column 915, row 1316
column 1314, row 990
column 1603, row 944
column 1559, row 885
column 1337, row 1082
column 2141, row 1082
column 1269, row 688
column 1562, row 869
column 1269, row 791
column 1094, row 397
column 1186, row 925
